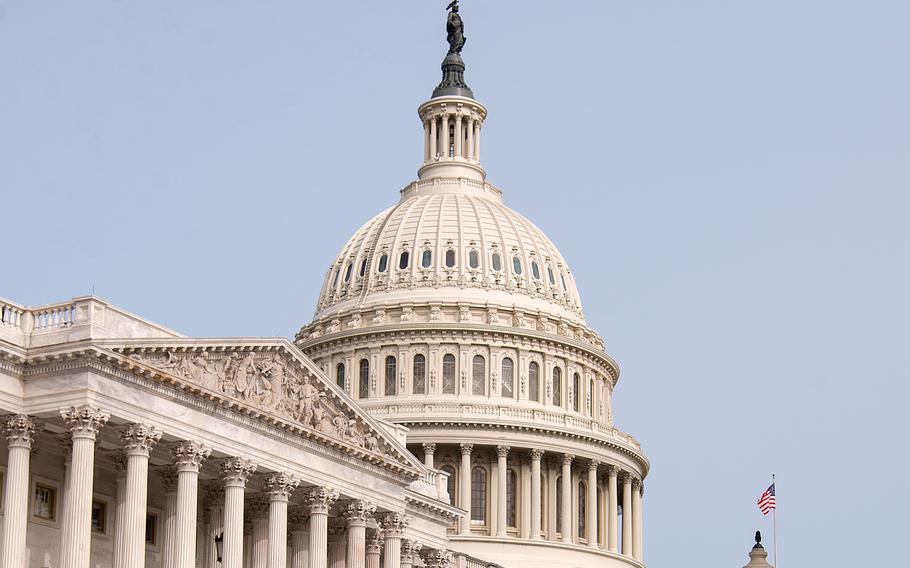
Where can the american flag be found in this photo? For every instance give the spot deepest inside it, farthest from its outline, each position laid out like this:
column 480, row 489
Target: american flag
column 767, row 501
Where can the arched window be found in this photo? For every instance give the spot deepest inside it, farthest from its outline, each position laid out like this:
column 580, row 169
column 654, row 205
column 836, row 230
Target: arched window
column 510, row 499
column 516, row 265
column 363, row 267
column 404, row 260
column 420, row 374
column 391, row 370
column 508, row 372
column 559, row 504
column 335, row 279
column 479, row 495
column 448, row 374
column 535, row 270
column 557, row 386
column 473, row 259
column 534, row 381
column 363, row 390
column 478, row 375
column 576, row 388
column 383, row 263
column 582, row 502
column 348, row 271
column 497, row 262
column 339, row 374
column 590, row 398
column 450, row 483
column 426, row 259
column 450, row 258
column 550, row 276
column 562, row 278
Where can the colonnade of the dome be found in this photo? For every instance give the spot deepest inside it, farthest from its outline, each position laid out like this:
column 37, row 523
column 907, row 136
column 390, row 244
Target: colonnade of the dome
column 451, row 137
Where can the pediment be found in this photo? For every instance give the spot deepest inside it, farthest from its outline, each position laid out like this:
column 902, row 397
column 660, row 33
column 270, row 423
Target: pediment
column 275, row 382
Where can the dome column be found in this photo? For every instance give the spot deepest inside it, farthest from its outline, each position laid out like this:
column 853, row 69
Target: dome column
column 567, row 497
column 535, row 493
column 470, row 140
column 591, row 507
column 627, row 514
column 444, row 136
column 612, row 510
column 637, row 488
column 434, row 140
column 429, row 451
column 459, row 137
column 465, row 476
column 502, row 453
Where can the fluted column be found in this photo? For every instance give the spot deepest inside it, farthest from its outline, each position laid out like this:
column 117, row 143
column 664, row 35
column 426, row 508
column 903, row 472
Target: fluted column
column 235, row 472
column 168, row 475
column 470, row 153
column 636, row 519
column 410, row 549
column 188, row 458
column 464, row 500
column 434, row 139
column 429, row 450
column 444, row 136
column 524, row 527
column 118, row 459
column 319, row 499
column 215, row 501
column 259, row 544
column 138, row 440
column 591, row 506
column 612, row 510
column 477, row 141
column 566, row 513
column 393, row 527
column 627, row 514
column 337, row 547
column 298, row 521
column 20, row 433
column 458, row 136
column 84, row 422
column 278, row 487
column 374, row 548
column 502, row 453
column 426, row 140
column 535, row 493
column 356, row 514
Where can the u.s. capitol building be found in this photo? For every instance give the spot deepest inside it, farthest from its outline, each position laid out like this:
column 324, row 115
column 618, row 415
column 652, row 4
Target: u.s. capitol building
column 447, row 406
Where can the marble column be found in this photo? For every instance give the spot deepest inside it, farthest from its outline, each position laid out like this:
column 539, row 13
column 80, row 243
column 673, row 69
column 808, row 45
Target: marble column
column 278, row 487
column 374, row 548
column 168, row 475
column 320, row 500
column 235, row 472
column 298, row 521
column 470, row 153
column 591, row 506
column 434, row 139
column 464, row 475
column 426, row 154
column 138, row 440
column 118, row 459
column 477, row 141
column 535, row 493
column 393, row 527
column 356, row 513
column 636, row 519
column 524, row 528
column 259, row 513
column 444, row 136
column 429, row 449
column 502, row 454
column 566, row 513
column 20, row 433
column 602, row 512
column 458, row 136
column 84, row 422
column 188, row 458
column 627, row 514
column 66, row 441
column 552, row 474
column 410, row 549
column 336, row 545
column 215, row 507
column 612, row 510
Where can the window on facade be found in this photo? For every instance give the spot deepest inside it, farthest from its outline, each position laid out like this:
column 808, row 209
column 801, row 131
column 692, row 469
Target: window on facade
column 426, row 259
column 497, row 262
column 478, row 375
column 534, row 381
column 151, row 529
column 590, row 399
column 479, row 495
column 557, row 386
column 420, row 374
column 562, row 278
column 448, row 374
column 44, row 505
column 576, row 388
column 391, row 371
column 99, row 516
column 451, row 147
column 383, row 263
column 582, row 502
column 559, row 504
column 508, row 378
column 348, row 271
column 510, row 499
column 404, row 260
column 335, row 278
column 516, row 265
column 550, row 276
column 339, row 374
column 363, row 267
column 535, row 270
column 473, row 259
column 363, row 390
column 450, row 483
column 450, row 258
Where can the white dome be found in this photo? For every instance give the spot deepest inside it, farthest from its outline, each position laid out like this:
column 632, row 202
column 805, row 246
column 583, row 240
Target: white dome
column 451, row 240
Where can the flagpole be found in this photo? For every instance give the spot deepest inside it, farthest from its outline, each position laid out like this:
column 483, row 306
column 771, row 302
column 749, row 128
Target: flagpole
column 774, row 519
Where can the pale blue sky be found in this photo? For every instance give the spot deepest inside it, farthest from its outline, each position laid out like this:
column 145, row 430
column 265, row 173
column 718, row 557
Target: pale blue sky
column 729, row 181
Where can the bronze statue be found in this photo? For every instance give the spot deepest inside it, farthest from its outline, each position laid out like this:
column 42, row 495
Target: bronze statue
column 454, row 29
column 757, row 537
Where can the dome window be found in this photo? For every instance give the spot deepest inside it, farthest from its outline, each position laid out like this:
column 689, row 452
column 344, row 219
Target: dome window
column 497, row 262
column 550, row 275
column 535, row 270
column 348, row 271
column 363, row 267
column 450, row 258
column 383, row 263
column 516, row 265
column 404, row 260
column 562, row 278
column 426, row 259
column 473, row 259
column 335, row 279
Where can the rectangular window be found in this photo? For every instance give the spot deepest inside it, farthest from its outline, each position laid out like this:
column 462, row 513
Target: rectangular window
column 45, row 504
column 151, row 529
column 99, row 517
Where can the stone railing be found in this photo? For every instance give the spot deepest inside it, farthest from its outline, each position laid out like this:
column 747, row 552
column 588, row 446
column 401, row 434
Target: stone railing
column 465, row 561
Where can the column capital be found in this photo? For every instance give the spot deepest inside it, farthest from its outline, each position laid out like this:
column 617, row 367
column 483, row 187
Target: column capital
column 84, row 421
column 19, row 430
column 429, row 447
column 626, row 477
column 168, row 475
column 593, row 464
column 567, row 459
column 394, row 523
column 258, row 505
column 466, row 449
column 189, row 455
column 536, row 454
column 279, row 486
column 139, row 439
column 357, row 511
column 636, row 482
column 435, row 558
column 320, row 499
column 375, row 540
column 235, row 472
column 612, row 471
column 66, row 442
column 410, row 549
column 502, row 451
column 298, row 518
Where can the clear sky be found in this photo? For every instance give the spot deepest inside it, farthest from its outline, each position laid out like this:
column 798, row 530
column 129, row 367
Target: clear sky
column 729, row 181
